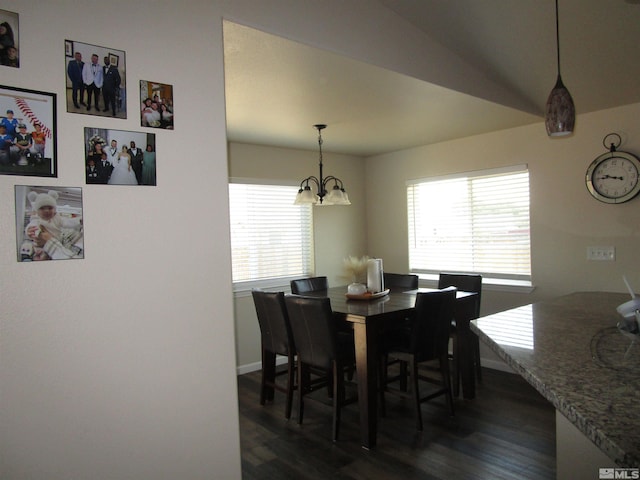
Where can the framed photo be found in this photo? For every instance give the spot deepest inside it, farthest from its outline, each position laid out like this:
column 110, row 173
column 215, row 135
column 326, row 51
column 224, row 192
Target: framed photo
column 156, row 105
column 119, row 157
column 9, row 39
column 49, row 223
column 90, row 66
column 68, row 48
column 27, row 132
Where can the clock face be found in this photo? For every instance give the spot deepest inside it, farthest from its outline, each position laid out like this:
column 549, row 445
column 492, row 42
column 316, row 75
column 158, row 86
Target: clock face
column 613, row 177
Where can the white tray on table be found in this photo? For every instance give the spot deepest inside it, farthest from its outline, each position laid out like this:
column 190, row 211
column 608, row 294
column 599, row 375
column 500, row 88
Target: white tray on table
column 367, row 296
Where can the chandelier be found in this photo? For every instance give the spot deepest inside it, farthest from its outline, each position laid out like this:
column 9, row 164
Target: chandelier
column 335, row 196
column 560, row 113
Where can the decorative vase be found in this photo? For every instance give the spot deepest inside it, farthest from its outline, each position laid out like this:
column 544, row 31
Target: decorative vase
column 357, row 289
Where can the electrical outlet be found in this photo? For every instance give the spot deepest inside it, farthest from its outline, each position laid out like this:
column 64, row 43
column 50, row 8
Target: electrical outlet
column 601, row 253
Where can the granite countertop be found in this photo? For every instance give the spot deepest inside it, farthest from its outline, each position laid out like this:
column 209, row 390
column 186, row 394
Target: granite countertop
column 570, row 350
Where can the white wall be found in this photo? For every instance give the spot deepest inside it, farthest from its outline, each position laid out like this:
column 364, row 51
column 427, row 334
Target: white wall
column 366, row 31
column 108, row 364
column 565, row 219
column 339, row 231
column 121, row 365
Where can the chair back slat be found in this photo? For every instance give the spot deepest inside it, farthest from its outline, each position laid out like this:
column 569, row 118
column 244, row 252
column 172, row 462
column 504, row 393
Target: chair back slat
column 306, row 285
column 467, row 282
column 400, row 280
column 273, row 318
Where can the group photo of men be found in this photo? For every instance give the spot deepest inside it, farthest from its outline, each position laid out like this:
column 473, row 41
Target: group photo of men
column 95, row 80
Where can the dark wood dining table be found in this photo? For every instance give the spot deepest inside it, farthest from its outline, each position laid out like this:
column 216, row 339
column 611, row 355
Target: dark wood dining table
column 369, row 318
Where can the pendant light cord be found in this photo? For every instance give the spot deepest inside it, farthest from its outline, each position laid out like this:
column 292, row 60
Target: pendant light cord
column 321, row 186
column 557, row 38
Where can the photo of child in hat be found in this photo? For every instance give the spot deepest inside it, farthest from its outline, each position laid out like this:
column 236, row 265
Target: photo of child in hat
column 52, row 232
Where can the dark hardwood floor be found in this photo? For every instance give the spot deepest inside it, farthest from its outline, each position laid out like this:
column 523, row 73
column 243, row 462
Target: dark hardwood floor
column 507, row 432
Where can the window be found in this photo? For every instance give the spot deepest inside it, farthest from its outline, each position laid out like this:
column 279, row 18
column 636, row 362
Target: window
column 474, row 222
column 271, row 238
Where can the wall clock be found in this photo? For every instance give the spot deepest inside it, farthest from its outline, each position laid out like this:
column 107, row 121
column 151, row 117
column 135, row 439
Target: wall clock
column 613, row 177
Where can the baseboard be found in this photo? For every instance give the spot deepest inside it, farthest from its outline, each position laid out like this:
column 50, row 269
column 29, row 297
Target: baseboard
column 252, row 367
column 496, row 365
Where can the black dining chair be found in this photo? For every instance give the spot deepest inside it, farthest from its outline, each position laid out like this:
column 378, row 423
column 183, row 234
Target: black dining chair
column 276, row 339
column 306, row 285
column 424, row 348
column 320, row 346
column 468, row 282
column 319, row 284
column 400, row 281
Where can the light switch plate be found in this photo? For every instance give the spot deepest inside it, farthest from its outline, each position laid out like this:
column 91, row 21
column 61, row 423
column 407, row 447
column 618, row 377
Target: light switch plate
column 601, row 253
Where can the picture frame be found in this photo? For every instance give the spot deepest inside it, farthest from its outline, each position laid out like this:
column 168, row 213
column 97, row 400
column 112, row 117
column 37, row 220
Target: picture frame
column 108, row 65
column 9, row 39
column 49, row 223
column 31, row 151
column 156, row 105
column 68, row 48
column 107, row 164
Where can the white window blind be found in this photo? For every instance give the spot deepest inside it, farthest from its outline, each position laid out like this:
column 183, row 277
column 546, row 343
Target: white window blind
column 476, row 222
column 270, row 236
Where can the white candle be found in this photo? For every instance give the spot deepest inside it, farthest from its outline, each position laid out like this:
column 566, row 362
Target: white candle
column 375, row 280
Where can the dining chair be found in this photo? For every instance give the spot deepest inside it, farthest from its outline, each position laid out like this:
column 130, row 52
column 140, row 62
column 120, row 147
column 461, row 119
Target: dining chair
column 320, row 346
column 276, row 339
column 318, row 284
column 400, row 281
column 424, row 349
column 314, row 284
column 306, row 285
column 468, row 282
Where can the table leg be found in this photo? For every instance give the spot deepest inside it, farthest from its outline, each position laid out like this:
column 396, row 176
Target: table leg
column 467, row 371
column 366, row 370
column 464, row 312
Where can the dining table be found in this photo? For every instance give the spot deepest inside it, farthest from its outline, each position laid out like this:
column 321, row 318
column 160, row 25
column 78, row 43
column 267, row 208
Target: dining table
column 369, row 317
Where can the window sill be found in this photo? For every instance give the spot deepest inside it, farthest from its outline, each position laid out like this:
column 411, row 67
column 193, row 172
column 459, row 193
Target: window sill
column 243, row 289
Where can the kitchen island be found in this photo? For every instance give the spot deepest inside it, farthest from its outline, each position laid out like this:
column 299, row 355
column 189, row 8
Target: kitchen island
column 570, row 350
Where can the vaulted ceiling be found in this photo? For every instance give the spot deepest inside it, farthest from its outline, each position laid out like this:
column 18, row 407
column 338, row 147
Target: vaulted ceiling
column 276, row 89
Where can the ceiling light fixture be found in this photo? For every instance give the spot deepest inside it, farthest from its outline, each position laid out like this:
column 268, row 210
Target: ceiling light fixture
column 560, row 113
column 337, row 195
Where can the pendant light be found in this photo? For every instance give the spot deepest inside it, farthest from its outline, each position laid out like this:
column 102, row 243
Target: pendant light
column 560, row 113
column 335, row 196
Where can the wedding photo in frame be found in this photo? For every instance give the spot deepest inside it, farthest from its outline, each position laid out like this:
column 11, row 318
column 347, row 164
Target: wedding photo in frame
column 49, row 223
column 156, row 105
column 27, row 132
column 119, row 157
column 95, row 80
column 9, row 39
